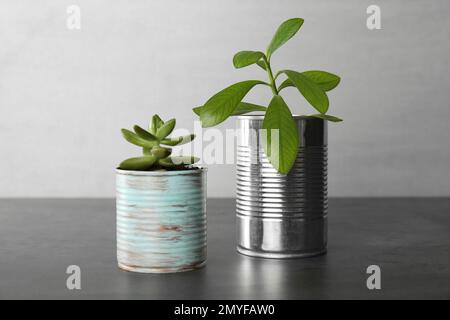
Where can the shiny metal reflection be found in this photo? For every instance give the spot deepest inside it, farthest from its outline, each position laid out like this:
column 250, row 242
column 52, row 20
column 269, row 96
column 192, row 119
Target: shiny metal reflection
column 281, row 216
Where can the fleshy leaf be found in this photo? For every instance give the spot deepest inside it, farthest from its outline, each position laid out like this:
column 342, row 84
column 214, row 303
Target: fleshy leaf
column 179, row 140
column 136, row 140
column 166, row 129
column 138, row 163
column 161, row 152
column 178, row 161
column 155, row 124
column 144, row 134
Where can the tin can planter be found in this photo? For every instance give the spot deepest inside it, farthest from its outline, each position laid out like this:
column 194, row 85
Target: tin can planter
column 161, row 220
column 281, row 216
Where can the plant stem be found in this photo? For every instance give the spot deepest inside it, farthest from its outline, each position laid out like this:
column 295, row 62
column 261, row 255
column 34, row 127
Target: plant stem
column 273, row 85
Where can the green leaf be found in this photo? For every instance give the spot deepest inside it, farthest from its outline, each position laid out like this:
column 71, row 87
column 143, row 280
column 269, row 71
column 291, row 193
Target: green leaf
column 144, row 134
column 245, row 107
column 262, row 64
column 285, row 31
column 326, row 117
column 197, row 110
column 280, row 145
column 155, row 124
column 171, row 142
column 222, row 105
column 241, row 108
column 166, row 129
column 286, row 83
column 171, row 162
column 325, row 80
column 135, row 139
column 179, row 140
column 311, row 91
column 161, row 152
column 246, row 58
column 139, row 163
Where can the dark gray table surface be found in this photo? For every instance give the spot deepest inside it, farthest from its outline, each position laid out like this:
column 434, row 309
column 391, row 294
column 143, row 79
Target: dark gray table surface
column 408, row 238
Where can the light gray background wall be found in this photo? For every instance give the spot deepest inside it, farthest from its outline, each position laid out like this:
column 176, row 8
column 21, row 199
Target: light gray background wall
column 64, row 94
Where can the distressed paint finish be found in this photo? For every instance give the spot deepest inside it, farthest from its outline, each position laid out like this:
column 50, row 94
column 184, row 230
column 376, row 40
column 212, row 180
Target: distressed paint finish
column 161, row 220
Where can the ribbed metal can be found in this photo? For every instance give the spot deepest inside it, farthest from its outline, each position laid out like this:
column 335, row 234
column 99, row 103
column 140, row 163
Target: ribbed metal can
column 281, row 216
column 161, row 220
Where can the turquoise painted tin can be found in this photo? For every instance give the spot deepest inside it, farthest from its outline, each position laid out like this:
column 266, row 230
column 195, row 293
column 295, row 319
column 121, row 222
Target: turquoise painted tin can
column 161, row 220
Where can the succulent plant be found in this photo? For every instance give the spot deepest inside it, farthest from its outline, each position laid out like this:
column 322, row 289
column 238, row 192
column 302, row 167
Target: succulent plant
column 155, row 156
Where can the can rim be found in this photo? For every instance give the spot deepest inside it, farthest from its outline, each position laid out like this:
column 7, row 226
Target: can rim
column 159, row 173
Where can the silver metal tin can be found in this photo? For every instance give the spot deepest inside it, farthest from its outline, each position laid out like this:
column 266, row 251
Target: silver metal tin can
column 281, row 216
column 161, row 220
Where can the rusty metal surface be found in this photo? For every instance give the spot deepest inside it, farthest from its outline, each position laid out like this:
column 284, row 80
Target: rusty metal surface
column 161, row 220
column 281, row 216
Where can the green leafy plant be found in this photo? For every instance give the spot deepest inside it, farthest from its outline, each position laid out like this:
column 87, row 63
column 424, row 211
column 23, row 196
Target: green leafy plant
column 155, row 156
column 313, row 85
